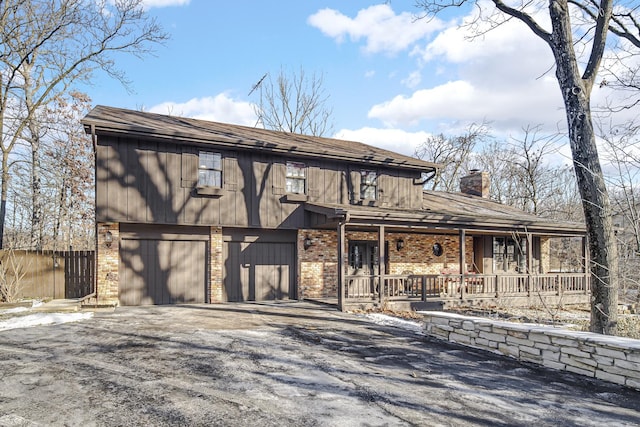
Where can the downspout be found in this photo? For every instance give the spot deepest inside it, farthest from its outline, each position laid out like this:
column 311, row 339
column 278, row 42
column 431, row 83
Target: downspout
column 94, row 141
column 426, row 178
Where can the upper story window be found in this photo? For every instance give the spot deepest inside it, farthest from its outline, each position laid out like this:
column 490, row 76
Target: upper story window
column 296, row 177
column 209, row 169
column 368, row 185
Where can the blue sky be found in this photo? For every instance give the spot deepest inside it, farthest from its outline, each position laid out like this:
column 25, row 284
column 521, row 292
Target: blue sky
column 392, row 80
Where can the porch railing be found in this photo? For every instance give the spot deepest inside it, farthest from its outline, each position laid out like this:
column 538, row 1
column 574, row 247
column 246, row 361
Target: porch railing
column 462, row 286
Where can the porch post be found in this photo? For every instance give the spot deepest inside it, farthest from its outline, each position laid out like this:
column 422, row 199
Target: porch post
column 381, row 262
column 341, row 278
column 587, row 262
column 463, row 261
column 529, row 253
column 530, row 280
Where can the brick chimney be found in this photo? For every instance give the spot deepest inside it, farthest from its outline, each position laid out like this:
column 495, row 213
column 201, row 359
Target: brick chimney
column 476, row 183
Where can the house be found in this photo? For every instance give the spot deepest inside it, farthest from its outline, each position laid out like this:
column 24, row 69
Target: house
column 191, row 211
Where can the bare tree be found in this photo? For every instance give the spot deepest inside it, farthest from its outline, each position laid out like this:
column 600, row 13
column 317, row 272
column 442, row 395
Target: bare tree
column 523, row 176
column 590, row 21
column 69, row 192
column 294, row 103
column 47, row 45
column 532, row 173
column 454, row 153
column 621, row 152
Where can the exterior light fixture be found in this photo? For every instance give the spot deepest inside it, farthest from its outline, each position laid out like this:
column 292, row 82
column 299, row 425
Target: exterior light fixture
column 108, row 239
column 307, row 243
column 399, row 244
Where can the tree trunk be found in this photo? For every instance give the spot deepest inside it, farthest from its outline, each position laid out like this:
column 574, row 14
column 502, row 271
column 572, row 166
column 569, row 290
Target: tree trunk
column 598, row 215
column 595, row 199
column 4, row 191
column 36, row 189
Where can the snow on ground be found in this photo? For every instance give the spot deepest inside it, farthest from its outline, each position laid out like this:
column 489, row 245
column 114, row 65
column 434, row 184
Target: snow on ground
column 385, row 320
column 14, row 310
column 38, row 319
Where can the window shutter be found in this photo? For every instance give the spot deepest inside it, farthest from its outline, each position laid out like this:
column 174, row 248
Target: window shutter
column 383, row 183
column 230, row 170
column 278, row 177
column 355, row 185
column 314, row 178
column 189, row 173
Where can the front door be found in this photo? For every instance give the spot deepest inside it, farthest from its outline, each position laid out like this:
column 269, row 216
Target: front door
column 363, row 261
column 363, row 258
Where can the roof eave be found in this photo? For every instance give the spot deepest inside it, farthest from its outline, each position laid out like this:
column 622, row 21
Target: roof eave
column 109, row 128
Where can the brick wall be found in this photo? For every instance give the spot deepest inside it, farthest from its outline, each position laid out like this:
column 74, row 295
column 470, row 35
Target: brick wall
column 417, row 254
column 108, row 261
column 215, row 266
column 607, row 358
column 317, row 265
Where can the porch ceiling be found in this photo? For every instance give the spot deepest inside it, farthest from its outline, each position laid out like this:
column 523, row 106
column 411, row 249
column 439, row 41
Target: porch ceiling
column 445, row 211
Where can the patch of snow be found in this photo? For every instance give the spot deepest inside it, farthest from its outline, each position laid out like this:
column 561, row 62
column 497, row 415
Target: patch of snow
column 39, row 319
column 36, row 303
column 385, row 320
column 14, row 310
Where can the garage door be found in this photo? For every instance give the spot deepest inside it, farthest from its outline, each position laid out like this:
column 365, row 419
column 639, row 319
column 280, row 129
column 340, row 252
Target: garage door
column 259, row 270
column 162, row 270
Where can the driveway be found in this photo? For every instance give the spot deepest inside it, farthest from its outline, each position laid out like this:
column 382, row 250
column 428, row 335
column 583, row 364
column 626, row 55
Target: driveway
column 294, row 364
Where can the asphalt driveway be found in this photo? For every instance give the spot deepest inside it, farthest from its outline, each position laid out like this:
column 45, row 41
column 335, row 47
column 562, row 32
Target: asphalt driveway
column 294, row 364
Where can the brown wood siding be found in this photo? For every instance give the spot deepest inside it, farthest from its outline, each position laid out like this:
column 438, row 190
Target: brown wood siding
column 150, row 182
column 162, row 267
column 258, row 267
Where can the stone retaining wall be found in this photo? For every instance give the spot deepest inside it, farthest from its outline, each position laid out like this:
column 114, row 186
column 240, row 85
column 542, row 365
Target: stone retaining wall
column 607, row 358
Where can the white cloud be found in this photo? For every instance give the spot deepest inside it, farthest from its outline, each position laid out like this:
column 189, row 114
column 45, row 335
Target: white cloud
column 412, row 80
column 383, row 30
column 539, row 102
column 369, row 74
column 220, row 108
column 505, row 77
column 396, row 140
column 148, row 4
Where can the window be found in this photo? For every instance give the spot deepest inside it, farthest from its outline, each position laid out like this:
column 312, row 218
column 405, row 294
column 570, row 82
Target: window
column 209, row 169
column 368, row 185
column 296, row 178
column 509, row 254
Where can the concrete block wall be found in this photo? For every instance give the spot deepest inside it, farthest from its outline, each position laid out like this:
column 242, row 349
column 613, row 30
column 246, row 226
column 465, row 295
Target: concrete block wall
column 608, row 358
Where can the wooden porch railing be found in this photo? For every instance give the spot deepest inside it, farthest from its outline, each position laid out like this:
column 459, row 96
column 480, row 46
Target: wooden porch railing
column 462, row 286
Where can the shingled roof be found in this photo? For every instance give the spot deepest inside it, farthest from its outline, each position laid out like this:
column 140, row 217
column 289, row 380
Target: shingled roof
column 442, row 210
column 117, row 121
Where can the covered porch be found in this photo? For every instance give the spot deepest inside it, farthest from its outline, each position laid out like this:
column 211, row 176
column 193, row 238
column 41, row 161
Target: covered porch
column 418, row 291
column 415, row 259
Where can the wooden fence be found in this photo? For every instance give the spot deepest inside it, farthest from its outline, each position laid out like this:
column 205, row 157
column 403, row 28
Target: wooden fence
column 51, row 274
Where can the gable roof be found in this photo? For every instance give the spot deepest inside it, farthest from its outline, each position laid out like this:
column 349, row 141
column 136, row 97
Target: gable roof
column 450, row 211
column 117, row 121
